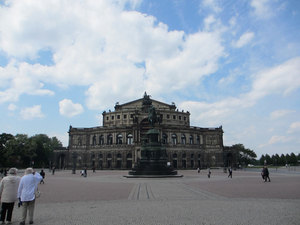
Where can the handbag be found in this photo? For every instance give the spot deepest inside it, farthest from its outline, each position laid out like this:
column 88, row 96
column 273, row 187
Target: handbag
column 37, row 193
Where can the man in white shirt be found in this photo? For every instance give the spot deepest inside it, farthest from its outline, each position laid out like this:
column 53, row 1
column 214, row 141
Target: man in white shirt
column 26, row 193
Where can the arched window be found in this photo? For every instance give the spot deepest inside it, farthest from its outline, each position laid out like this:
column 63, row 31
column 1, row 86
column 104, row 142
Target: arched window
column 79, row 141
column 174, row 139
column 183, row 139
column 129, row 161
column 164, row 138
column 94, row 140
column 198, row 140
column 191, row 139
column 129, row 139
column 101, row 140
column 109, row 139
column 119, row 139
column 109, row 159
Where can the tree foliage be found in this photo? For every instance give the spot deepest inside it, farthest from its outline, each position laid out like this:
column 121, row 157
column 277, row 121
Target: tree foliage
column 24, row 151
column 246, row 155
column 282, row 160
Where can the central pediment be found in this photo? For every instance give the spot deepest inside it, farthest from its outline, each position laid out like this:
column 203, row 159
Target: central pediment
column 144, row 102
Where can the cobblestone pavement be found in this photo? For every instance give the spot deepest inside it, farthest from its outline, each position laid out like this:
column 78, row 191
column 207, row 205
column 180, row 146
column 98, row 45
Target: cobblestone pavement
column 106, row 197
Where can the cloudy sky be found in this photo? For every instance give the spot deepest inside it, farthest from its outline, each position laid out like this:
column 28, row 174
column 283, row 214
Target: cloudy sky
column 230, row 63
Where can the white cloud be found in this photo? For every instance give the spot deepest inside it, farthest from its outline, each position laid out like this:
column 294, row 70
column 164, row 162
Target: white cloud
column 22, row 78
column 107, row 62
column 294, row 127
column 69, row 109
column 243, row 40
column 278, row 139
column 32, row 112
column 212, row 4
column 281, row 79
column 262, row 8
column 12, row 107
column 280, row 113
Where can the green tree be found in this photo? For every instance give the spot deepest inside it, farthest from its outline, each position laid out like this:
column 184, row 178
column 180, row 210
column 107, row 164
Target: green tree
column 268, row 159
column 276, row 160
column 283, row 159
column 246, row 156
column 18, row 151
column 43, row 147
column 262, row 160
column 288, row 158
column 4, row 139
column 21, row 151
column 293, row 159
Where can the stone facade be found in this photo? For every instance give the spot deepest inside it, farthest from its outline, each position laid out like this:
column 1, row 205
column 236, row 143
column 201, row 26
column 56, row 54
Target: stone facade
column 117, row 143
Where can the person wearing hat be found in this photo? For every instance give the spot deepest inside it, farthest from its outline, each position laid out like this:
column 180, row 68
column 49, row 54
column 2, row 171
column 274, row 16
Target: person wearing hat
column 9, row 194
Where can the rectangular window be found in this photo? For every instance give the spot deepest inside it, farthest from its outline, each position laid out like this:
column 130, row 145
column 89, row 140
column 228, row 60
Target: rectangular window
column 131, row 116
column 118, row 117
column 125, row 116
column 179, row 117
column 184, row 118
column 107, row 118
column 168, row 116
column 174, row 117
column 112, row 117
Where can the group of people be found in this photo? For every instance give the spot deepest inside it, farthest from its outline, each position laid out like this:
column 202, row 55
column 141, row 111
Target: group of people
column 264, row 173
column 14, row 188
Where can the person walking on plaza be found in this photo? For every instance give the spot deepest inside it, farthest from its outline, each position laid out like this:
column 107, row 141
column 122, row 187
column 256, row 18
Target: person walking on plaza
column 26, row 193
column 85, row 172
column 8, row 194
column 209, row 173
column 230, row 172
column 53, row 170
column 42, row 173
column 198, row 170
column 266, row 174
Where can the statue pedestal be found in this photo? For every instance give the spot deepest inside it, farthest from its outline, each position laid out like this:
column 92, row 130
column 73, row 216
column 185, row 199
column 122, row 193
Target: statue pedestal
column 153, row 162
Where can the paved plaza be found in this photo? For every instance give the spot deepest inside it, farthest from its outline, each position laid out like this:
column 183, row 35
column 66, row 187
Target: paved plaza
column 106, row 197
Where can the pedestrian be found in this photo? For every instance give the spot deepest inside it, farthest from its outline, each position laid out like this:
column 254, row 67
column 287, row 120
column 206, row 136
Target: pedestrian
column 198, row 170
column 42, row 173
column 266, row 174
column 230, row 172
column 9, row 194
column 5, row 172
column 26, row 194
column 53, row 170
column 209, row 173
column 85, row 172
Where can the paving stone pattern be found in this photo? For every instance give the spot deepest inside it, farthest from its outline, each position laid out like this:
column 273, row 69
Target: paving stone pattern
column 106, row 197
